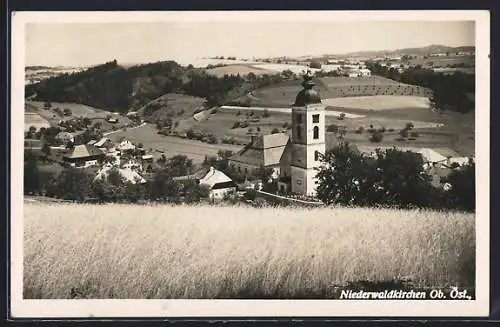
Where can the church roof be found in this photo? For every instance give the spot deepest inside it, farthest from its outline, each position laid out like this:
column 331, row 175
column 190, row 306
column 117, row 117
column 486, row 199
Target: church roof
column 264, row 150
column 308, row 95
column 270, row 141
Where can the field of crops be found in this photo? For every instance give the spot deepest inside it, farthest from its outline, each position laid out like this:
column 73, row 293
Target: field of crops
column 139, row 252
column 35, row 120
column 77, row 110
column 283, row 95
column 379, row 102
column 238, row 69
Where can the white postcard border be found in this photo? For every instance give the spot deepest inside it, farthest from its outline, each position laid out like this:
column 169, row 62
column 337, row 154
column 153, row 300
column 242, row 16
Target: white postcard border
column 246, row 308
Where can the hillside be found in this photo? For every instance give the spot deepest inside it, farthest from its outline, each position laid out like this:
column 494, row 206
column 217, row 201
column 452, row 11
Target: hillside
column 431, row 49
column 116, row 88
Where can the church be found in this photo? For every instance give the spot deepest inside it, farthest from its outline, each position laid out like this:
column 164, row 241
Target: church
column 294, row 158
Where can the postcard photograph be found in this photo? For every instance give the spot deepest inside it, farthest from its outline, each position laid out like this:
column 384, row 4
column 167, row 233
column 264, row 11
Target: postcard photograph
column 250, row 164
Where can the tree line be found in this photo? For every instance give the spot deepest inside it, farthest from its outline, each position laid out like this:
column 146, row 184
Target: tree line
column 391, row 178
column 114, row 88
column 450, row 91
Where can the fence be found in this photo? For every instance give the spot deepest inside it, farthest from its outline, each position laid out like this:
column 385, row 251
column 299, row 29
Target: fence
column 278, row 199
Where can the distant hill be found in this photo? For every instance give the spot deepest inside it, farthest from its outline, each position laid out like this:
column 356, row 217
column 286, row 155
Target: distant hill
column 116, row 88
column 431, row 49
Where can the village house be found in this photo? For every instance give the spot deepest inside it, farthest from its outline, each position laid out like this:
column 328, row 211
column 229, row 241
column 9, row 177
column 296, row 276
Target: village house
column 218, row 183
column 83, row 156
column 125, row 145
column 104, row 144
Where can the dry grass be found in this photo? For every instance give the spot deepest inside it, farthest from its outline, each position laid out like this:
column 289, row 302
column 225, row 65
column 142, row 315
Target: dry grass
column 127, row 251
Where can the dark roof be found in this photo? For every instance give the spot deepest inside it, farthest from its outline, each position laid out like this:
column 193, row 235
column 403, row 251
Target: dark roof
column 84, row 151
column 222, row 185
column 307, row 95
column 199, row 174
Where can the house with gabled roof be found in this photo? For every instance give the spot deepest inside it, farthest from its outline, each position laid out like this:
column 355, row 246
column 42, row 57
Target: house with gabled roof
column 83, row 156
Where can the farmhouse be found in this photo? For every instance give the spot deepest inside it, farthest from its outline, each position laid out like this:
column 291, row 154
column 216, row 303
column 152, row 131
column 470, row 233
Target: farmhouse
column 83, row 156
column 104, row 144
column 125, row 145
column 218, row 182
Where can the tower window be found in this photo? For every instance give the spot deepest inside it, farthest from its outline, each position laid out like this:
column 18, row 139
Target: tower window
column 316, row 132
column 315, row 118
column 299, row 118
column 299, row 133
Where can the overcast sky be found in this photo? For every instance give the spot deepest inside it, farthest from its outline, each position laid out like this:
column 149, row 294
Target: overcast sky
column 88, row 44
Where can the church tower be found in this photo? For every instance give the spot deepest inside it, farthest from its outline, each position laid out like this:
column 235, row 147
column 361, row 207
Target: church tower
column 308, row 138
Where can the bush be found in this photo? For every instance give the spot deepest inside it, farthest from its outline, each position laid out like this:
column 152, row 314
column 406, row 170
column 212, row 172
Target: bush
column 213, row 111
column 285, row 125
column 341, row 116
column 360, row 130
column 390, row 130
column 275, row 131
column 266, row 113
column 377, row 137
column 212, row 139
column 332, row 128
column 403, row 133
column 414, row 134
column 382, row 129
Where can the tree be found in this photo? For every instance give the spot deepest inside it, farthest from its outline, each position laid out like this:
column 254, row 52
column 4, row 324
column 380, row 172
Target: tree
column 31, row 132
column 315, row 64
column 194, row 192
column 31, row 174
column 463, row 187
column 266, row 113
column 46, row 150
column 72, row 184
column 343, row 176
column 180, row 165
column 377, row 137
column 403, row 132
column 401, row 179
column 341, row 116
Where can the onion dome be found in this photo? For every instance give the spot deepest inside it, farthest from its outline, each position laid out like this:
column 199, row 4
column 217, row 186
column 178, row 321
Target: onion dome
column 308, row 95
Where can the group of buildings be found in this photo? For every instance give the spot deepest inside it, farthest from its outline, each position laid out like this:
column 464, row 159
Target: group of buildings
column 294, row 158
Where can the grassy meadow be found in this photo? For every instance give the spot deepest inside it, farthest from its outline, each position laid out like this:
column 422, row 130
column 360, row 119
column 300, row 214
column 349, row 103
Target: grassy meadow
column 160, row 251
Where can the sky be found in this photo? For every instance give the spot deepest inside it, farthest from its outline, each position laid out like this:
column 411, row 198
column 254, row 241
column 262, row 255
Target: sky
column 83, row 44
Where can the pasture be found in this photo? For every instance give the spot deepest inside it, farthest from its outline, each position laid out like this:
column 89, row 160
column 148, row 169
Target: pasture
column 283, row 94
column 206, row 252
column 77, row 111
column 379, row 102
column 170, row 145
column 237, row 69
column 35, row 120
